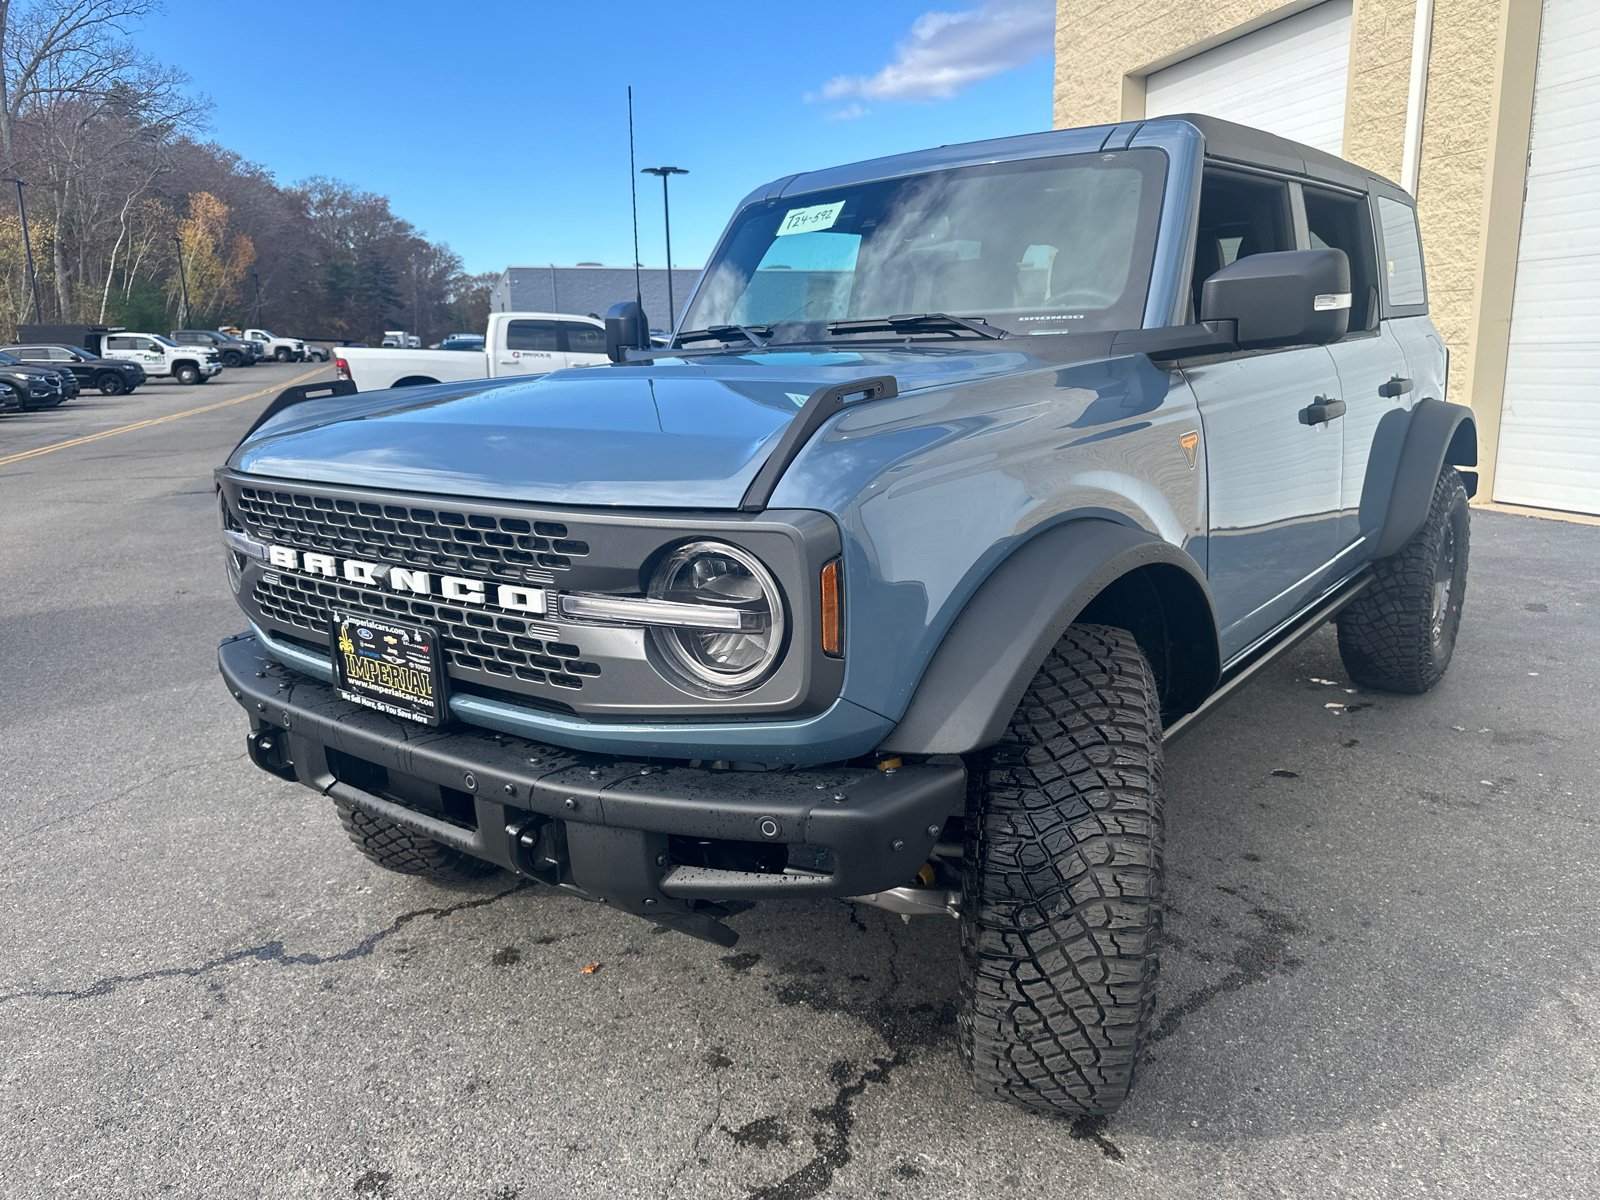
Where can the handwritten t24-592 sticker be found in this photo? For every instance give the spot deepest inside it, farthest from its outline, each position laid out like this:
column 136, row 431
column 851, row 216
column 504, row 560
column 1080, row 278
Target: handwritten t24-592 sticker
column 809, row 220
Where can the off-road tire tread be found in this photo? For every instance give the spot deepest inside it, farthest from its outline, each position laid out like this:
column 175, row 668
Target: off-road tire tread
column 1064, row 883
column 399, row 850
column 1385, row 634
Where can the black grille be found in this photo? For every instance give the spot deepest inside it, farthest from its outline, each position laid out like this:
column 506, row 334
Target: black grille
column 477, row 643
column 457, row 543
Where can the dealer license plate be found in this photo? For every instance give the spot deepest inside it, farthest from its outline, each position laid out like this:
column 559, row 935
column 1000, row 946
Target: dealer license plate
column 393, row 667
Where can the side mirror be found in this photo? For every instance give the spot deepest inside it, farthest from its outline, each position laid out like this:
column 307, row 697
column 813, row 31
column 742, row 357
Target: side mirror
column 626, row 329
column 1292, row 298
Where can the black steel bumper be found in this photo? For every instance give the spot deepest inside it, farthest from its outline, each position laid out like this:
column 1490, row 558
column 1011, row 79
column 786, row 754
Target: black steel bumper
column 599, row 825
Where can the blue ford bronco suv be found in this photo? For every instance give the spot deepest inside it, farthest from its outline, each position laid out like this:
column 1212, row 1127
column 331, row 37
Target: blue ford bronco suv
column 969, row 479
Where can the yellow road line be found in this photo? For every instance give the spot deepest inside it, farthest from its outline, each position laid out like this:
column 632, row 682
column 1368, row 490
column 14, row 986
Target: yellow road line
column 105, row 433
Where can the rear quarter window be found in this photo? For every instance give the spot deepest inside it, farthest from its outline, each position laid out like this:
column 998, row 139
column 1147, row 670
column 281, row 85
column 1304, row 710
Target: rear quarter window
column 1402, row 252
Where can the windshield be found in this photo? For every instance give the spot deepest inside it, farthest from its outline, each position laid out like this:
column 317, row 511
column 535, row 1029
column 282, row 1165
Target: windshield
column 1053, row 245
column 165, row 341
column 265, row 336
column 7, row 360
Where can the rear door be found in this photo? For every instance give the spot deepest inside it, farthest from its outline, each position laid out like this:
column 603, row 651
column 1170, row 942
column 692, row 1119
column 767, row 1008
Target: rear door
column 136, row 349
column 1373, row 380
column 57, row 356
column 584, row 343
column 1274, row 474
column 530, row 346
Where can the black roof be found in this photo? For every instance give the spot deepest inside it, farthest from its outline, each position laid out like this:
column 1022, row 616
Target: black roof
column 1243, row 144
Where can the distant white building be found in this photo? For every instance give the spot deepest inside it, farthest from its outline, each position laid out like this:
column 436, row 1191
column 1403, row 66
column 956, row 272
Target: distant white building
column 589, row 288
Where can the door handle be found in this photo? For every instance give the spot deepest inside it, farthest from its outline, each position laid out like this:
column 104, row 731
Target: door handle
column 1397, row 386
column 1321, row 411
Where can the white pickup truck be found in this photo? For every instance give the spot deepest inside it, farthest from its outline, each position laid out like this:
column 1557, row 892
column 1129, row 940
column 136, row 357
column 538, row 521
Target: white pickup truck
column 161, row 356
column 282, row 349
column 515, row 344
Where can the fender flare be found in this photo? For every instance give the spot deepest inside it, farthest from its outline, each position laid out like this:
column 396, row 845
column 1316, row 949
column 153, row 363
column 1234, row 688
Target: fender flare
column 1439, row 433
column 976, row 677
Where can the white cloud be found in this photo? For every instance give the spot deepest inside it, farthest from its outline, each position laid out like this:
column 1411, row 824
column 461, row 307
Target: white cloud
column 850, row 112
column 947, row 52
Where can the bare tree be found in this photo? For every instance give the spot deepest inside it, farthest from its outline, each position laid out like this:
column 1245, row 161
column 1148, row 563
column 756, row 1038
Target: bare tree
column 93, row 151
column 59, row 49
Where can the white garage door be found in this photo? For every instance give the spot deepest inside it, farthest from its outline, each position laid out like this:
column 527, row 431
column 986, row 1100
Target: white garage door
column 1550, row 422
column 1288, row 78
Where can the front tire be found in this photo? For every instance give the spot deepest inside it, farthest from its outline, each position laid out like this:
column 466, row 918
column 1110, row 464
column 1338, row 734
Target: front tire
column 282, row 355
column 112, row 385
column 187, row 374
column 397, row 849
column 1061, row 905
column 1400, row 634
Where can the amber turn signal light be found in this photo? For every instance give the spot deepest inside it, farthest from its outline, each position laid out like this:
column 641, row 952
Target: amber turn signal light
column 833, row 609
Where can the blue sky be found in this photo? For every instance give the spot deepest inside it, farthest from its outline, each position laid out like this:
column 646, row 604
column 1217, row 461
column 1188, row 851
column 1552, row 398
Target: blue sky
column 501, row 128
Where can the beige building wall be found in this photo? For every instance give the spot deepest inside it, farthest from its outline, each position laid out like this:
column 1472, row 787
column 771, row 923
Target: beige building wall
column 1474, row 144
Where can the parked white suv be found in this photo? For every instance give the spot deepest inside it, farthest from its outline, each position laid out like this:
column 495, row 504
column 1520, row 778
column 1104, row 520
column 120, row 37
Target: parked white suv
column 282, row 349
column 162, row 356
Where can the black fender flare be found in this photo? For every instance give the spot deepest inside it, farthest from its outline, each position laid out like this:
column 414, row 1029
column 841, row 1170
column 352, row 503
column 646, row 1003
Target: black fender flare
column 1439, row 433
column 976, row 677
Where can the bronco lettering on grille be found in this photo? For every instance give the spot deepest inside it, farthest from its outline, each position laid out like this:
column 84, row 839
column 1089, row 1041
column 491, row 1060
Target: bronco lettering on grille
column 399, row 579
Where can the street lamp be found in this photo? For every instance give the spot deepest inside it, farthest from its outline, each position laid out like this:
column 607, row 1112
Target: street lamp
column 184, row 280
column 666, row 214
column 28, row 246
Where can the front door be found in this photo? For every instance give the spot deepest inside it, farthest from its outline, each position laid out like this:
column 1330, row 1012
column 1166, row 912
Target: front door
column 1274, row 458
column 1274, row 476
column 532, row 347
column 585, row 343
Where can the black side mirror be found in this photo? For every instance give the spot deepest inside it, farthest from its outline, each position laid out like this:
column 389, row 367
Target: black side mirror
column 1291, row 298
column 626, row 329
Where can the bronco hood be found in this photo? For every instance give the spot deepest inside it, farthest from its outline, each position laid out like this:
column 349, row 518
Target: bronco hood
column 680, row 433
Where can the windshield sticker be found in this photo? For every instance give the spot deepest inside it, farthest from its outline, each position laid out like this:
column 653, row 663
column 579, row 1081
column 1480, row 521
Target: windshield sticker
column 809, row 220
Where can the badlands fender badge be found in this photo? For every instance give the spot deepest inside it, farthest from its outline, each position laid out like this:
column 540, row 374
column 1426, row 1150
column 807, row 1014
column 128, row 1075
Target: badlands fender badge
column 1190, row 443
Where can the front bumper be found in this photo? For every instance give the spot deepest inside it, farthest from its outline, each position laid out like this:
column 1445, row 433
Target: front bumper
column 606, row 827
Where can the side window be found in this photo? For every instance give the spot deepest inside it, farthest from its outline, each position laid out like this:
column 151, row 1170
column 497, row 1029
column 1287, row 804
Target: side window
column 54, row 353
column 584, row 339
column 1238, row 217
column 143, row 344
column 531, row 335
column 1402, row 252
column 1342, row 223
column 120, row 343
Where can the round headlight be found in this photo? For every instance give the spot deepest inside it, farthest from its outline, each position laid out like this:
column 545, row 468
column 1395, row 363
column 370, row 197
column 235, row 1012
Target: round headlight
column 744, row 636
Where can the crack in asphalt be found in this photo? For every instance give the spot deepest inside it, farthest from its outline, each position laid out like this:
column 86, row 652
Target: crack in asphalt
column 716, row 1117
column 904, row 1029
column 272, row 951
column 78, row 813
column 1262, row 956
column 832, row 1142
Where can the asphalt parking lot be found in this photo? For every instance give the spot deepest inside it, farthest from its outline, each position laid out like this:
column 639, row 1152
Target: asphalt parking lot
column 1381, row 980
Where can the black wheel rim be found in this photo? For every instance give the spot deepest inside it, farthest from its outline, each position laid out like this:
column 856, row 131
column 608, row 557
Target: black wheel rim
column 1444, row 581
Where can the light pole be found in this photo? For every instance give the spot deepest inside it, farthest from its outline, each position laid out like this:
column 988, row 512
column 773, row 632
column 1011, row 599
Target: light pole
column 184, row 280
column 666, row 215
column 28, row 246
column 256, row 275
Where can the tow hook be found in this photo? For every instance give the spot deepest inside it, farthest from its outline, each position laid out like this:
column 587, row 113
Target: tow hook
column 268, row 748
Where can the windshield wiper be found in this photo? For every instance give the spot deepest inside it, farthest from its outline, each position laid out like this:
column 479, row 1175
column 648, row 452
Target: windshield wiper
column 756, row 335
column 909, row 323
